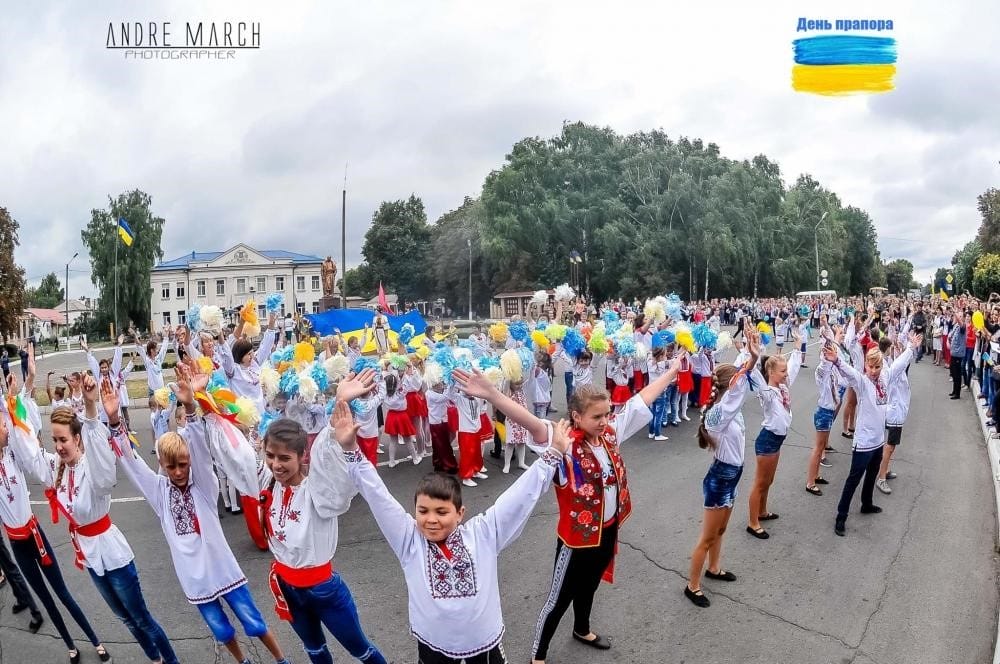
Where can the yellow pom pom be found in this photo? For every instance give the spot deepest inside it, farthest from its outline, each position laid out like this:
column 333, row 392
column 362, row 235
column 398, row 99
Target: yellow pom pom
column 205, row 364
column 251, row 330
column 498, row 332
column 304, row 353
column 685, row 340
column 539, row 339
column 510, row 364
column 248, row 414
column 764, row 328
column 249, row 313
column 423, row 352
column 162, row 397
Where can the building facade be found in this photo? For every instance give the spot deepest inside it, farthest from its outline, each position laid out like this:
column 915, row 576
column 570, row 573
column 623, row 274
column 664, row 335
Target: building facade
column 227, row 279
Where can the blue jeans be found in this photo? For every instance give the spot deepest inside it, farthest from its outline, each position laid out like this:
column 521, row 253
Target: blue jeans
column 329, row 603
column 120, row 589
column 862, row 464
column 670, row 398
column 659, row 407
column 242, row 604
column 568, row 377
column 968, row 366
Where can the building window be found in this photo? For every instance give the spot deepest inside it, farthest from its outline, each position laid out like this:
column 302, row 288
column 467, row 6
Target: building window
column 511, row 306
column 261, row 312
column 315, row 307
column 300, row 308
column 165, row 292
column 220, row 286
column 300, row 283
column 179, row 289
column 261, row 284
column 201, row 288
column 282, row 310
column 181, row 317
column 315, row 282
column 241, row 286
column 166, row 319
column 279, row 284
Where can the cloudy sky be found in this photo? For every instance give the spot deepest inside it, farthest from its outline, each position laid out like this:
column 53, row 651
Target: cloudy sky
column 428, row 96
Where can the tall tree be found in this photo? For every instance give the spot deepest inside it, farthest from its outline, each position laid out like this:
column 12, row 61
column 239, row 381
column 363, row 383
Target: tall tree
column 396, row 247
column 986, row 275
column 898, row 275
column 134, row 263
column 48, row 294
column 453, row 237
column 361, row 281
column 989, row 228
column 11, row 277
column 964, row 262
column 861, row 256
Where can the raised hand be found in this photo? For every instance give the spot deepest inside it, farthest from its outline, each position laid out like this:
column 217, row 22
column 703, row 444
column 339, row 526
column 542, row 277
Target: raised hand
column 915, row 340
column 90, row 391
column 356, row 385
column 474, row 384
column 4, row 433
column 121, row 339
column 560, row 436
column 830, row 353
column 345, row 430
column 109, row 399
column 84, row 346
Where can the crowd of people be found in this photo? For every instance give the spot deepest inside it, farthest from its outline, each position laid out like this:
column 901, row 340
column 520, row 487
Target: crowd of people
column 288, row 432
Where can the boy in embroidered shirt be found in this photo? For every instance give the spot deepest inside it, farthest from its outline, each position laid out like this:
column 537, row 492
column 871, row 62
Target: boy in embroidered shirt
column 184, row 497
column 451, row 568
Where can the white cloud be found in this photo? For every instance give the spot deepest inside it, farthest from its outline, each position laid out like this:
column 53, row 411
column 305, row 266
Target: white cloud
column 428, row 97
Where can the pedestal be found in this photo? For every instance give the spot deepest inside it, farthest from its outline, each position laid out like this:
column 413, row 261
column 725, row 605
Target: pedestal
column 328, row 302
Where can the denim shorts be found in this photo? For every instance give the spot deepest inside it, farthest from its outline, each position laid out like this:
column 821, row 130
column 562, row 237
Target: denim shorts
column 895, row 434
column 768, row 443
column 719, row 485
column 242, row 604
column 823, row 419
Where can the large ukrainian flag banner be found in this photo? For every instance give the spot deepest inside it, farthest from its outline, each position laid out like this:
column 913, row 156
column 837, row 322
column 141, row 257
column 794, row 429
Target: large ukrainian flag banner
column 351, row 323
column 843, row 65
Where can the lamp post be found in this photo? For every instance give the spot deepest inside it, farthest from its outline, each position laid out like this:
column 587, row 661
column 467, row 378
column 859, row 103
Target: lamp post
column 66, row 295
column 468, row 241
column 816, row 238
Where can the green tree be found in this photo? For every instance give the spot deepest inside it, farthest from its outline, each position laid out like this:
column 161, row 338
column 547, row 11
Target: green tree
column 964, row 262
column 861, row 257
column 134, row 263
column 11, row 277
column 396, row 246
column 986, row 275
column 898, row 275
column 48, row 294
column 361, row 281
column 989, row 228
column 454, row 231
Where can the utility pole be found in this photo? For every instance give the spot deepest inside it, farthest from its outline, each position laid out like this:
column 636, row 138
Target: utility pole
column 66, row 295
column 343, row 243
column 816, row 238
column 469, row 242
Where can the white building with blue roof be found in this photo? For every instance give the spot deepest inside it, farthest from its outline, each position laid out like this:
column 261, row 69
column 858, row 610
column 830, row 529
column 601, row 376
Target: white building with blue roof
column 229, row 278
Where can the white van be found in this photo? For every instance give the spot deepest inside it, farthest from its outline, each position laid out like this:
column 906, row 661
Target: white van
column 818, row 294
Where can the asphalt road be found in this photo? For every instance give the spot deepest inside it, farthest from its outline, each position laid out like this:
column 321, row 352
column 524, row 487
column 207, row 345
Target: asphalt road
column 916, row 584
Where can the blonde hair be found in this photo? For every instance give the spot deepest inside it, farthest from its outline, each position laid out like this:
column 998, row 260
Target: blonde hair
column 873, row 356
column 769, row 363
column 720, row 383
column 584, row 397
column 64, row 415
column 170, row 446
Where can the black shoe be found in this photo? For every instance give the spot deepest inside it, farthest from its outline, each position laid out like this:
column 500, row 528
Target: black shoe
column 697, row 598
column 35, row 624
column 496, row 455
column 720, row 576
column 17, row 608
column 955, row 396
column 846, row 434
column 74, row 658
column 600, row 642
column 830, row 448
column 820, row 480
column 759, row 534
column 840, row 528
column 871, row 509
column 103, row 654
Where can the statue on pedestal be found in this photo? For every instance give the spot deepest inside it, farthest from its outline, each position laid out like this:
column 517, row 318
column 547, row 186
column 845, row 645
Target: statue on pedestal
column 329, row 272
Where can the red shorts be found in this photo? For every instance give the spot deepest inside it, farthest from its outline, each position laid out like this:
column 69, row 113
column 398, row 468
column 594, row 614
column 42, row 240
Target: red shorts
column 620, row 395
column 470, row 454
column 398, row 423
column 638, row 380
column 416, row 405
column 486, row 430
column 369, row 447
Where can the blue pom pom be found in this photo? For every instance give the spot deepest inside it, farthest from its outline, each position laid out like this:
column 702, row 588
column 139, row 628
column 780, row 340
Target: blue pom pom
column 704, row 336
column 217, row 381
column 330, row 406
column 674, row 307
column 527, row 360
column 574, row 343
column 265, row 421
column 624, row 346
column 612, row 322
column 273, row 303
column 663, row 338
column 518, row 330
column 765, row 339
column 193, row 317
column 289, row 383
column 318, row 374
column 366, row 363
column 489, row 361
column 406, row 334
column 541, row 325
column 468, row 344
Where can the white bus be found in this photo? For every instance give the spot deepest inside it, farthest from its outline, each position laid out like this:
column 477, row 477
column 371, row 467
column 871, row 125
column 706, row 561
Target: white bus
column 816, row 294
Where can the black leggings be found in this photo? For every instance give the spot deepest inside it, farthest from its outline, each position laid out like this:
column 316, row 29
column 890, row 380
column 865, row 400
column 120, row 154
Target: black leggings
column 427, row 655
column 18, row 585
column 28, row 559
column 575, row 580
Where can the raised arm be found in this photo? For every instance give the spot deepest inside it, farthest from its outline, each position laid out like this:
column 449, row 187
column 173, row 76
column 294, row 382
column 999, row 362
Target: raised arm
column 116, row 360
column 266, row 342
column 903, row 361
column 651, row 392
column 103, row 444
column 28, row 454
column 476, row 385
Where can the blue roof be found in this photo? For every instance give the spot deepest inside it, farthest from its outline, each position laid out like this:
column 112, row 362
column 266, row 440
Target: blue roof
column 208, row 256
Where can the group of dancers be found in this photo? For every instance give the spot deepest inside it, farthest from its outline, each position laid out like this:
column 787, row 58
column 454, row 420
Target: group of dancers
column 296, row 472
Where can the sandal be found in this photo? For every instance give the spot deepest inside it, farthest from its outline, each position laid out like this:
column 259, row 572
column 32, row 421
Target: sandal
column 721, row 575
column 770, row 516
column 74, row 656
column 103, row 653
column 820, row 480
column 760, row 533
column 814, row 490
column 697, row 597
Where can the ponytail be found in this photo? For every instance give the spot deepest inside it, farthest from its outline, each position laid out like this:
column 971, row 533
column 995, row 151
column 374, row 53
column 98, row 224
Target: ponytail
column 720, row 383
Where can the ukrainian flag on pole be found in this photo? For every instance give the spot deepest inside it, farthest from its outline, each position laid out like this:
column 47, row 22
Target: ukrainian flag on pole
column 125, row 232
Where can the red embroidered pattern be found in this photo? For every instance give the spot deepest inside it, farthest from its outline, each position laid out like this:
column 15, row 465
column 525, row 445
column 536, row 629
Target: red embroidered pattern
column 182, row 510
column 451, row 578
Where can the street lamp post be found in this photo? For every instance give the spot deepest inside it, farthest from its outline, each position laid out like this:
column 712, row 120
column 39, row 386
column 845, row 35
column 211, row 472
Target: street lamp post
column 468, row 241
column 66, row 295
column 816, row 238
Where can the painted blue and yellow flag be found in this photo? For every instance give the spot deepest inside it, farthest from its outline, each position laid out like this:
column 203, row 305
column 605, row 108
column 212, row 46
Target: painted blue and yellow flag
column 844, row 65
column 125, row 232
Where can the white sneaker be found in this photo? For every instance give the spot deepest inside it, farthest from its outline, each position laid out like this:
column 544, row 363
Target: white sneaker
column 506, row 470
column 883, row 486
column 661, row 437
column 650, row 436
column 483, row 470
column 469, row 483
column 685, row 417
column 381, row 450
column 417, row 459
column 481, row 476
column 677, row 420
column 522, row 466
column 392, row 464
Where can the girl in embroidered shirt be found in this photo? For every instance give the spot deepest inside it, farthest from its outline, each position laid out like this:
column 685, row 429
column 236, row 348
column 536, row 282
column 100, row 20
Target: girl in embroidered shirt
column 517, row 435
column 398, row 425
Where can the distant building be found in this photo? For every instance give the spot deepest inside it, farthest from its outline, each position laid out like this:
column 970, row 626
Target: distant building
column 82, row 307
column 42, row 324
column 227, row 279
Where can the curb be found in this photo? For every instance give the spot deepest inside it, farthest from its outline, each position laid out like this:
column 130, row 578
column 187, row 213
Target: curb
column 993, row 449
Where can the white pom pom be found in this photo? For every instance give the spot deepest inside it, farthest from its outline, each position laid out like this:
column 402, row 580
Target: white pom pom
column 640, row 350
column 494, row 375
column 211, row 319
column 433, row 373
column 725, row 341
column 307, row 387
column 269, row 379
column 564, row 293
column 540, row 297
column 463, row 352
column 335, row 367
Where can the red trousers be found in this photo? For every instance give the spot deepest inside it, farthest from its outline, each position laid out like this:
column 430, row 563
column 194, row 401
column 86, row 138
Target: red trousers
column 369, row 447
column 470, row 454
column 442, row 456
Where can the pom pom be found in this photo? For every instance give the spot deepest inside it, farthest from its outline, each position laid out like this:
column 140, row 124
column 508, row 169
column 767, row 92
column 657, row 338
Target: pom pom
column 205, row 364
column 510, row 365
column 540, row 297
column 765, row 339
column 248, row 313
column 398, row 362
column 764, row 328
column 488, row 361
column 406, row 334
column 162, row 397
column 663, row 338
column 556, row 332
column 674, row 307
column 265, row 421
column 335, row 367
column 304, row 353
column 598, row 343
column 612, row 322
column 308, row 389
column 248, row 414
column 803, row 311
column 445, row 360
column 367, row 363
column 283, row 355
column 541, row 325
column 564, row 293
column 704, row 336
column 527, row 360
column 269, row 379
column 423, row 352
column 498, row 332
column 273, row 303
column 289, row 383
column 494, row 375
column 251, row 330
column 624, row 345
column 573, row 342
column 539, row 339
column 654, row 311
column 724, row 342
column 518, row 330
column 217, row 381
column 683, row 338
column 318, row 373
column 193, row 319
column 641, row 352
column 211, row 319
column 433, row 374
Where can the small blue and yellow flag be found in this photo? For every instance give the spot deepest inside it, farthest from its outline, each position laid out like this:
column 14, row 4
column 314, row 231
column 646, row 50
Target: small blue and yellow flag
column 125, row 232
